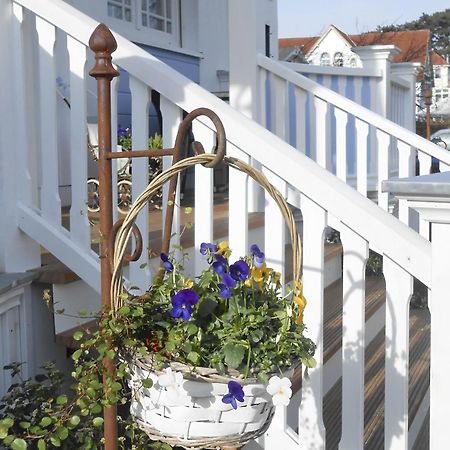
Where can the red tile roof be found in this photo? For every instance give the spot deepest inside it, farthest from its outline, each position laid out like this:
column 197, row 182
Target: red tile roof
column 413, row 44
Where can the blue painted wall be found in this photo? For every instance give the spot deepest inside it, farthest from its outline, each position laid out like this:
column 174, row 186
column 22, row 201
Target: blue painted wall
column 187, row 65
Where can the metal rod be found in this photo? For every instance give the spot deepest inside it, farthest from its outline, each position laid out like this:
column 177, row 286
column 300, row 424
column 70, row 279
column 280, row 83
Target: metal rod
column 102, row 43
column 140, row 153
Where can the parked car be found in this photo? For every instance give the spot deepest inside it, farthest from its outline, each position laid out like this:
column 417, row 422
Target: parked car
column 442, row 138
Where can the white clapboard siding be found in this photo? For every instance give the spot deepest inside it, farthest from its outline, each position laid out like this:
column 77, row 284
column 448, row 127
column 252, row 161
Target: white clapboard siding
column 383, row 143
column 356, row 252
column 79, row 223
column 362, row 132
column 171, row 118
column 50, row 200
column 311, row 427
column 140, row 97
column 399, row 285
column 238, row 204
column 301, row 98
column 204, row 177
column 341, row 144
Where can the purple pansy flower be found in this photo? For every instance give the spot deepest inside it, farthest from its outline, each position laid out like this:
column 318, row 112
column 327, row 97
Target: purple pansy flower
column 206, row 247
column 220, row 264
column 121, row 132
column 182, row 303
column 235, row 392
column 227, row 284
column 239, row 270
column 166, row 262
column 257, row 256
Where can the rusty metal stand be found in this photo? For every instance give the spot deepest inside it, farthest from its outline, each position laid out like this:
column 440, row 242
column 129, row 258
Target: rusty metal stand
column 103, row 44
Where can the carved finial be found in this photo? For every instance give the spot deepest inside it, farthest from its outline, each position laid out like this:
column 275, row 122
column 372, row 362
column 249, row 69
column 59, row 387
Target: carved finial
column 103, row 43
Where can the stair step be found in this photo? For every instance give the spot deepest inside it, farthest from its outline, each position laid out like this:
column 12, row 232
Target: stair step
column 374, row 385
column 423, row 438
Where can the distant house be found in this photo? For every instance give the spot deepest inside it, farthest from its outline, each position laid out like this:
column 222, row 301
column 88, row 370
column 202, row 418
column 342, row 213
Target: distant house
column 334, row 48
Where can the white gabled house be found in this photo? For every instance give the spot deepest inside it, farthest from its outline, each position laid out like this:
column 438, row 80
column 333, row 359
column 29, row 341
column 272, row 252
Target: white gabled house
column 326, row 139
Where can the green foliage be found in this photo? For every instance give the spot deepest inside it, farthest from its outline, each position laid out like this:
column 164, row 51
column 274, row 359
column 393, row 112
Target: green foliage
column 439, row 25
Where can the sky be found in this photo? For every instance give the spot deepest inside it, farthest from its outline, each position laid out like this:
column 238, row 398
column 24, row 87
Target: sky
column 310, row 18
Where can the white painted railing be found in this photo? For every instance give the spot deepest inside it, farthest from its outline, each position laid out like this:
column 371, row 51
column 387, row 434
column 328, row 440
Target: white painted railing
column 361, row 147
column 323, row 199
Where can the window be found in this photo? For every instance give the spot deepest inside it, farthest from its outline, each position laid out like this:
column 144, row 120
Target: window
column 338, row 60
column 325, row 59
column 437, row 72
column 352, row 61
column 157, row 14
column 120, row 9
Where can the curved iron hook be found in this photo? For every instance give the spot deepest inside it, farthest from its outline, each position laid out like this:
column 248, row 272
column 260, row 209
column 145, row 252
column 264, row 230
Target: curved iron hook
column 112, row 237
column 197, row 146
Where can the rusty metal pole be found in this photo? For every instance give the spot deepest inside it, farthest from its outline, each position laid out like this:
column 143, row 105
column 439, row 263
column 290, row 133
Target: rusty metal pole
column 102, row 43
column 428, row 100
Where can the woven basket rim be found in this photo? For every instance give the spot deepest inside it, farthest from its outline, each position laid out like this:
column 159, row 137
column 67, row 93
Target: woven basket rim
column 207, row 374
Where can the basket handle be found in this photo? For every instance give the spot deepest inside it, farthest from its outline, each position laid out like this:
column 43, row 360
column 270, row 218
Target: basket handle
column 125, row 230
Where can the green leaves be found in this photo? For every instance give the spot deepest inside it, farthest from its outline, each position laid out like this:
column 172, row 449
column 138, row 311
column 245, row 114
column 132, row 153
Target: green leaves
column 234, row 354
column 19, row 444
column 97, row 421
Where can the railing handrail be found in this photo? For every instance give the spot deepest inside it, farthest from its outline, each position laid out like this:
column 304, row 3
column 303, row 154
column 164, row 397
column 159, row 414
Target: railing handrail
column 329, row 70
column 349, row 106
column 409, row 250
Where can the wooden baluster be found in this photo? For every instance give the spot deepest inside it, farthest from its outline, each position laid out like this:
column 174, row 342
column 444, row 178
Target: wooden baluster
column 383, row 146
column 399, row 288
column 171, row 119
column 280, row 108
column 322, row 132
column 358, row 86
column 356, row 252
column 311, row 427
column 79, row 222
column 20, row 251
column 204, row 218
column 274, row 246
column 362, row 132
column 50, row 200
column 301, row 98
column 407, row 167
column 341, row 144
column 140, row 97
column 238, row 205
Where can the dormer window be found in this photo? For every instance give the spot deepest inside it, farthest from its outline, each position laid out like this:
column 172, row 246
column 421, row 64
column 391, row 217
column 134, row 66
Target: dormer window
column 437, row 72
column 325, row 59
column 338, row 60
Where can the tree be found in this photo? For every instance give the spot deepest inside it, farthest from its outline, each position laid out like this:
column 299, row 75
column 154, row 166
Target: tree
column 439, row 25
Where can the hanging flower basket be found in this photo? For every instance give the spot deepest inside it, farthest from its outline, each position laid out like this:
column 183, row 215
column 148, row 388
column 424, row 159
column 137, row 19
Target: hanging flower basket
column 220, row 351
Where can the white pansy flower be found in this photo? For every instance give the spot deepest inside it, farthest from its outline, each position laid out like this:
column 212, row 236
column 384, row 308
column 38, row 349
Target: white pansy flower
column 172, row 383
column 280, row 390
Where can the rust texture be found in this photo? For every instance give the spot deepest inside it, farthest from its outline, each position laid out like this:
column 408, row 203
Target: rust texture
column 102, row 43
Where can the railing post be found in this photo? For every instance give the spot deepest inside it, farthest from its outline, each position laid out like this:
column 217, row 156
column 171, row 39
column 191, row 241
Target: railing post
column 408, row 71
column 378, row 58
column 252, row 31
column 102, row 43
column 430, row 196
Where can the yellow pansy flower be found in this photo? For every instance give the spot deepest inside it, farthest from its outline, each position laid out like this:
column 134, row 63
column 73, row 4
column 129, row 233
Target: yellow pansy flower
column 188, row 283
column 223, row 249
column 300, row 300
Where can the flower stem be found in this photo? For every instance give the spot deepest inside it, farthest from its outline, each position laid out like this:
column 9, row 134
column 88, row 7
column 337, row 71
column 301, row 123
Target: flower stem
column 247, row 367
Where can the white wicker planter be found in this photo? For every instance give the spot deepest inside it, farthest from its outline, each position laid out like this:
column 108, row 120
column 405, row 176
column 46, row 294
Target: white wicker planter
column 200, row 419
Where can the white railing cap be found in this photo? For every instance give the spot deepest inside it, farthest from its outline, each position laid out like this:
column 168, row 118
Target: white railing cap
column 376, row 52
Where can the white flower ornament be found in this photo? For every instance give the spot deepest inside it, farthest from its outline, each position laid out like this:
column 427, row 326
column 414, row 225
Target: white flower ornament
column 172, row 383
column 280, row 390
